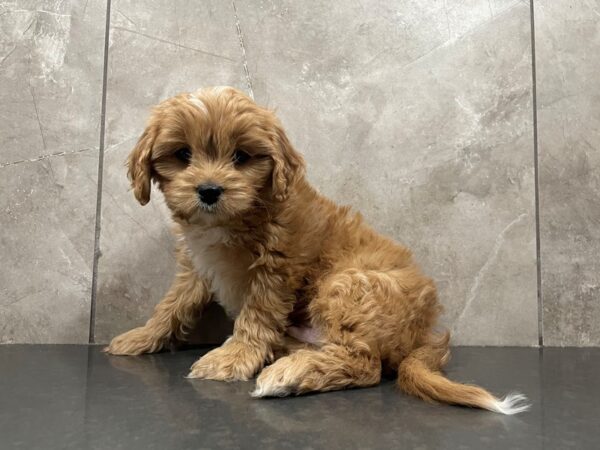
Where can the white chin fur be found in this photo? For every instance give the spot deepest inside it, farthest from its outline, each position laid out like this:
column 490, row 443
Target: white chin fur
column 511, row 404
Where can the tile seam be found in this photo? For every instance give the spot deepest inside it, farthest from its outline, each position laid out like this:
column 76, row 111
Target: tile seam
column 97, row 252
column 540, row 302
column 243, row 47
column 46, row 156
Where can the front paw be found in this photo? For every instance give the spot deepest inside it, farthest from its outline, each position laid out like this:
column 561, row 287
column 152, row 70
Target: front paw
column 233, row 361
column 135, row 342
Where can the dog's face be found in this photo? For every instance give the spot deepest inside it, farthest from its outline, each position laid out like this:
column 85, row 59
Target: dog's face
column 215, row 154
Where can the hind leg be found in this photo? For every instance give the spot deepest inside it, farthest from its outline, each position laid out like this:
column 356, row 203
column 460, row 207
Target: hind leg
column 363, row 316
column 345, row 313
column 329, row 368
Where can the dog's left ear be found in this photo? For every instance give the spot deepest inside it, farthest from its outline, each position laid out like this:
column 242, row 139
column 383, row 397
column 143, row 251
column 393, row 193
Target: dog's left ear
column 288, row 164
column 139, row 165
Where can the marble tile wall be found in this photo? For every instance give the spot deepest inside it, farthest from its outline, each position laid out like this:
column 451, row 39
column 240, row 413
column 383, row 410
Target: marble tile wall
column 154, row 52
column 424, row 124
column 51, row 63
column 418, row 114
column 568, row 107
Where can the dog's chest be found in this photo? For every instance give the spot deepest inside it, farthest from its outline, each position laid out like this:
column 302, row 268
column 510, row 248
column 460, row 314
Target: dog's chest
column 223, row 265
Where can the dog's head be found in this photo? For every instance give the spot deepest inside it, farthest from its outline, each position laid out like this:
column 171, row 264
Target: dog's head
column 214, row 153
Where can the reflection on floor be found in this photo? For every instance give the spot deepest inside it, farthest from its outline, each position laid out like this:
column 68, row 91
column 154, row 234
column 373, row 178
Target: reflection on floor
column 58, row 397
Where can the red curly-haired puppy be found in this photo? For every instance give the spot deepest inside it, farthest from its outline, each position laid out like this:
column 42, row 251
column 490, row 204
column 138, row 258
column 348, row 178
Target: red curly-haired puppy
column 318, row 297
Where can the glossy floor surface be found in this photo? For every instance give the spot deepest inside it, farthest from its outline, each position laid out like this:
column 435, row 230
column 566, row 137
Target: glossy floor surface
column 59, row 397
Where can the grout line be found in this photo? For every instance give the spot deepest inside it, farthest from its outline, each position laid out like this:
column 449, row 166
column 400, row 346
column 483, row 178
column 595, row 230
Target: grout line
column 537, row 183
column 46, row 156
column 243, row 47
column 92, row 331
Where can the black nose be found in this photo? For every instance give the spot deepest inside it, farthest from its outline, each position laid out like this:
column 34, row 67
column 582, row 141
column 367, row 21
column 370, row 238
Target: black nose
column 209, row 193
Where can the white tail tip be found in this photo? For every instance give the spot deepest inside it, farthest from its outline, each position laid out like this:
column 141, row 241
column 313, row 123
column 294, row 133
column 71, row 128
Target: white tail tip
column 511, row 404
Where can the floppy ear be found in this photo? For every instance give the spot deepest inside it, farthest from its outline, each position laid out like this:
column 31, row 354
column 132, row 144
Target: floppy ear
column 288, row 164
column 140, row 166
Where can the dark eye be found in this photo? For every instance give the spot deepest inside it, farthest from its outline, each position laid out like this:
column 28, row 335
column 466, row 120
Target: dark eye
column 240, row 157
column 183, row 155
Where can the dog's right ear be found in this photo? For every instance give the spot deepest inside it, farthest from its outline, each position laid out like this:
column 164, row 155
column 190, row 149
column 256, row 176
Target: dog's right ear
column 139, row 165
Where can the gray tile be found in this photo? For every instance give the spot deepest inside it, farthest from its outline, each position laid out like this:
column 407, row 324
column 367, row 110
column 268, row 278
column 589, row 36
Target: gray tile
column 57, row 409
column 420, row 116
column 155, row 52
column 47, row 244
column 568, row 98
column 92, row 400
column 51, row 56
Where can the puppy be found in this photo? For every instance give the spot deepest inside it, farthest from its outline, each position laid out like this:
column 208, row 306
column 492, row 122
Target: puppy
column 315, row 292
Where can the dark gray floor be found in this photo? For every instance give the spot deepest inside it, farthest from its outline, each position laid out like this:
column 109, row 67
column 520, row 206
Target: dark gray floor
column 76, row 397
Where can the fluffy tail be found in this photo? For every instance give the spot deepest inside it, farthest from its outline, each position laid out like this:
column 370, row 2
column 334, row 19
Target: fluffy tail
column 419, row 375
